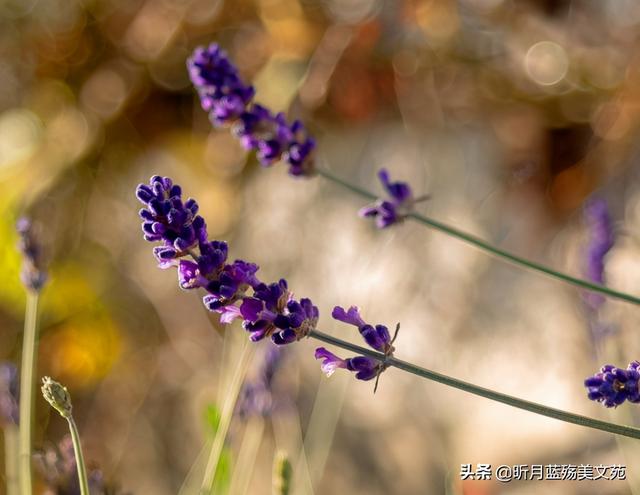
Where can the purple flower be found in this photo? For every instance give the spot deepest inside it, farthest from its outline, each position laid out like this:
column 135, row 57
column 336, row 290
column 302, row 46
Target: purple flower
column 612, row 386
column 33, row 275
column 272, row 312
column 222, row 92
column 231, row 284
column 364, row 367
column 299, row 154
column 601, row 240
column 377, row 337
column 9, row 394
column 228, row 100
column 167, row 219
column 267, row 134
column 396, row 208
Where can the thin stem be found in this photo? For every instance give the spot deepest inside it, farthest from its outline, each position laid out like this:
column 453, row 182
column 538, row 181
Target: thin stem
column 627, row 431
column 11, row 459
column 77, row 449
column 29, row 351
column 225, row 421
column 490, row 249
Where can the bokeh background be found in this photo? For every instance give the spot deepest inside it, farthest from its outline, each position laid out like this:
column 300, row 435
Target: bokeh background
column 510, row 114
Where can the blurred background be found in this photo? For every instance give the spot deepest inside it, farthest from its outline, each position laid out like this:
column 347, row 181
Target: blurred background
column 510, row 114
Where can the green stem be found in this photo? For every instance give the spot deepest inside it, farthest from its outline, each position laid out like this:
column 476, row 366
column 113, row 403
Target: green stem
column 77, row 449
column 225, row 421
column 29, row 352
column 627, row 431
column 488, row 248
column 11, row 459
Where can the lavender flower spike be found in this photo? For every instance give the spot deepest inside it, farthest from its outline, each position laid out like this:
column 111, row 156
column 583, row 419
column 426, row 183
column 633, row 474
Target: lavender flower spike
column 167, row 219
column 229, row 101
column 33, row 275
column 601, row 240
column 222, row 92
column 612, row 386
column 396, row 208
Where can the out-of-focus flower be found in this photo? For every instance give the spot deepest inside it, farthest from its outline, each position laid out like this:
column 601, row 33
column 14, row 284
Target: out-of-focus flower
column 33, row 274
column 228, row 100
column 612, row 386
column 57, row 466
column 222, row 92
column 601, row 240
column 270, row 311
column 258, row 396
column 396, row 208
column 9, row 394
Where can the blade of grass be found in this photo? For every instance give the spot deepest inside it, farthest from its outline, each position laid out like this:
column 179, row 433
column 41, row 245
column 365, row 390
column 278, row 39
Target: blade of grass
column 27, row 370
column 11, row 459
column 225, row 418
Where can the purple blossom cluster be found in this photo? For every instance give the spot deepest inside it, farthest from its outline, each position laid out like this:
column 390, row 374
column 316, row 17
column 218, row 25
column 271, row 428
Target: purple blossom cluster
column 228, row 100
column 33, row 274
column 9, row 394
column 232, row 288
column 377, row 337
column 393, row 210
column 612, row 386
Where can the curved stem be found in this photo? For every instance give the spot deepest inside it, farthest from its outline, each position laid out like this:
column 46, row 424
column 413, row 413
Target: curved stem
column 490, row 249
column 77, row 449
column 29, row 351
column 627, row 431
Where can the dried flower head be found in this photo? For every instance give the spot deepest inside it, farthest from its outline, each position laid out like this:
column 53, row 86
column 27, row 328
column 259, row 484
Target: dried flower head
column 57, row 396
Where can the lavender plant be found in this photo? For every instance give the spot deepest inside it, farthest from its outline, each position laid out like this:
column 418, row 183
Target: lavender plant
column 285, row 319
